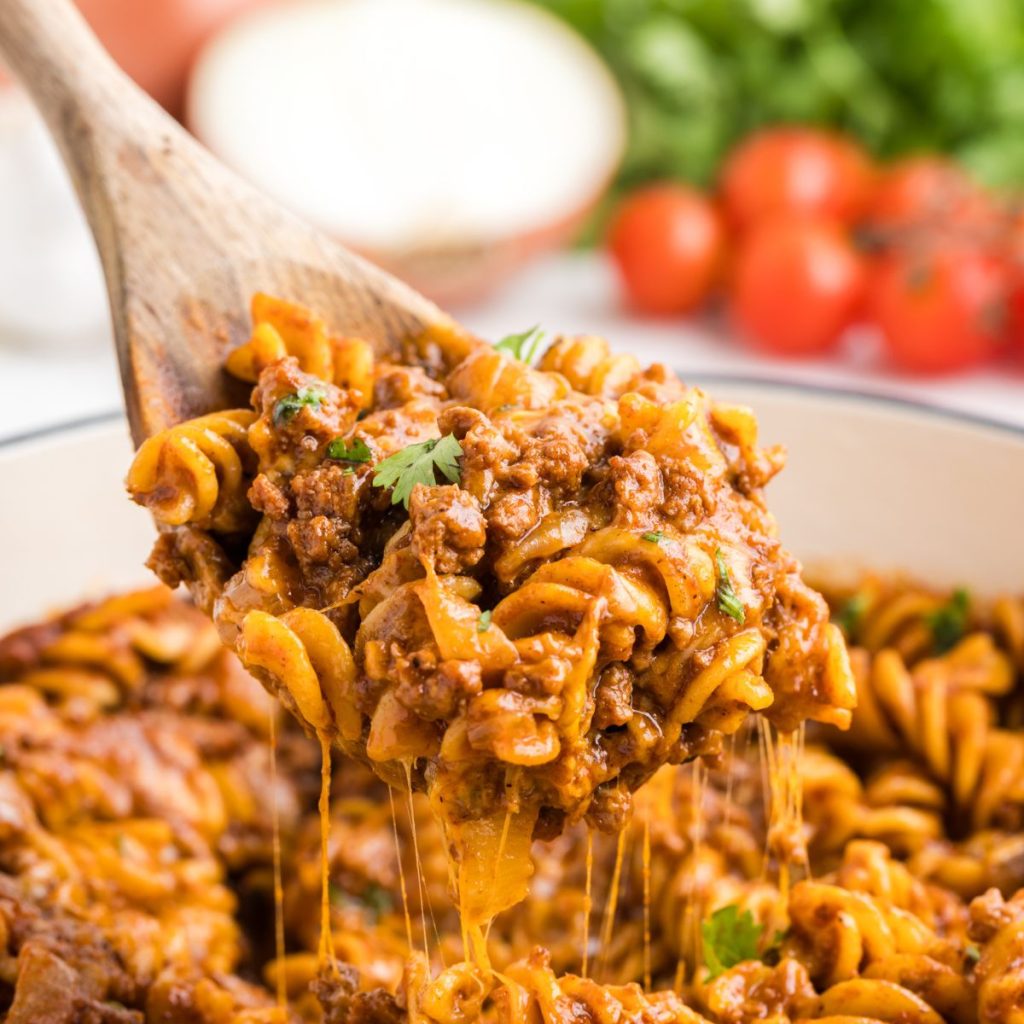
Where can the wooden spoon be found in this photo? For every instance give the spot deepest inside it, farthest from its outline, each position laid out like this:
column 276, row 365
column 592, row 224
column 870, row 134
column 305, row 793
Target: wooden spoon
column 185, row 242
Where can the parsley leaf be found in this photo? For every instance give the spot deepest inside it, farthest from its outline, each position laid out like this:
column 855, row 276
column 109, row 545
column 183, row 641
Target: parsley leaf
column 484, row 622
column 728, row 602
column 377, row 898
column 851, row 613
column 972, row 954
column 287, row 407
column 359, row 451
column 729, row 938
column 374, row 899
column 524, row 346
column 416, row 465
column 949, row 623
column 652, row 536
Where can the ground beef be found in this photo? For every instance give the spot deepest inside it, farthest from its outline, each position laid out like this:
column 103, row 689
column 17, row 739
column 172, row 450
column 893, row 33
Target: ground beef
column 186, row 555
column 397, row 385
column 448, row 529
column 636, row 481
column 613, row 699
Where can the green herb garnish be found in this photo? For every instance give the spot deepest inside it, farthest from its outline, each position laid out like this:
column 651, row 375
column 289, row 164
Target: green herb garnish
column 949, row 623
column 417, row 464
column 287, row 407
column 484, row 622
column 851, row 613
column 972, row 954
column 377, row 898
column 523, row 347
column 729, row 938
column 652, row 536
column 728, row 602
column 358, row 451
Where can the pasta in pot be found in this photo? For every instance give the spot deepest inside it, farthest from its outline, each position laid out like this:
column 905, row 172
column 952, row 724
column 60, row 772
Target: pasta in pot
column 135, row 856
column 521, row 589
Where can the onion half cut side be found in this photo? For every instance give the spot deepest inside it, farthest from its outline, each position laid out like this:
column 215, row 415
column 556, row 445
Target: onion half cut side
column 448, row 140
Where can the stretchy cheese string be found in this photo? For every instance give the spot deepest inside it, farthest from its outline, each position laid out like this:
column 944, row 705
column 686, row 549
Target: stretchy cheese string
column 420, row 881
column 326, row 950
column 588, row 901
column 511, row 782
column 647, row 895
column 401, row 871
column 611, row 904
column 275, row 819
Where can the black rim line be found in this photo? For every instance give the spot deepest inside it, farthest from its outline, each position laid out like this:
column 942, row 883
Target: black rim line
column 882, row 399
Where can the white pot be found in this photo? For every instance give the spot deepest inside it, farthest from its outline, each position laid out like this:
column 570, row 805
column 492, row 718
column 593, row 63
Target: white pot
column 870, row 483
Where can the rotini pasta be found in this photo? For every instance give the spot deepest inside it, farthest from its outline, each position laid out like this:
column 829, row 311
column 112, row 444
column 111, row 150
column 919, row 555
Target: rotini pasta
column 592, row 589
column 135, row 847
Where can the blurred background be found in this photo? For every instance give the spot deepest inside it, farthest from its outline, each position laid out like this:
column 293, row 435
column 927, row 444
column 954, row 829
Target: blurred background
column 825, row 191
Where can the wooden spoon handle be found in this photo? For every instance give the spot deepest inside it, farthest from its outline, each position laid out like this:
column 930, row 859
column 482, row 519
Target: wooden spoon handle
column 78, row 89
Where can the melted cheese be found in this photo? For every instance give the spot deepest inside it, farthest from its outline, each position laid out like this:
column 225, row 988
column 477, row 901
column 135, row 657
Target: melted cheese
column 275, row 817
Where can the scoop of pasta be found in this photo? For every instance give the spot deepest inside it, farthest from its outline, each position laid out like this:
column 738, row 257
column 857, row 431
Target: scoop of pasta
column 522, row 590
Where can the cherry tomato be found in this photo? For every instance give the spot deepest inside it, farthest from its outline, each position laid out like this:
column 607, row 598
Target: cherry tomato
column 798, row 285
column 941, row 309
column 799, row 171
column 155, row 41
column 667, row 243
column 926, row 190
column 1014, row 261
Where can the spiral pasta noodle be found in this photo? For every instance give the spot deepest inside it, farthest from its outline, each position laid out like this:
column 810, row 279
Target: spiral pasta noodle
column 599, row 557
column 144, row 886
column 197, row 472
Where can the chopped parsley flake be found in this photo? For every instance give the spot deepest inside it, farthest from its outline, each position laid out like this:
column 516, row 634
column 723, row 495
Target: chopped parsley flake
column 850, row 615
column 417, row 464
column 972, row 954
column 728, row 602
column 729, row 938
column 524, row 346
column 652, row 536
column 949, row 623
column 287, row 407
column 358, row 451
column 484, row 622
column 377, row 898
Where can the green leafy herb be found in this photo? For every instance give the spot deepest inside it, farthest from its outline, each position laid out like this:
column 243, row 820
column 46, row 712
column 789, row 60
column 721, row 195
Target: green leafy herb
column 347, row 471
column 729, row 938
column 700, row 74
column 652, row 536
column 949, row 623
column 850, row 615
column 524, row 346
column 287, row 407
column 417, row 465
column 484, row 622
column 378, row 899
column 972, row 954
column 728, row 602
column 358, row 451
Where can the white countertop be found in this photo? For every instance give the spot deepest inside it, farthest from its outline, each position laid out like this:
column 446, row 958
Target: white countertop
column 46, row 386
